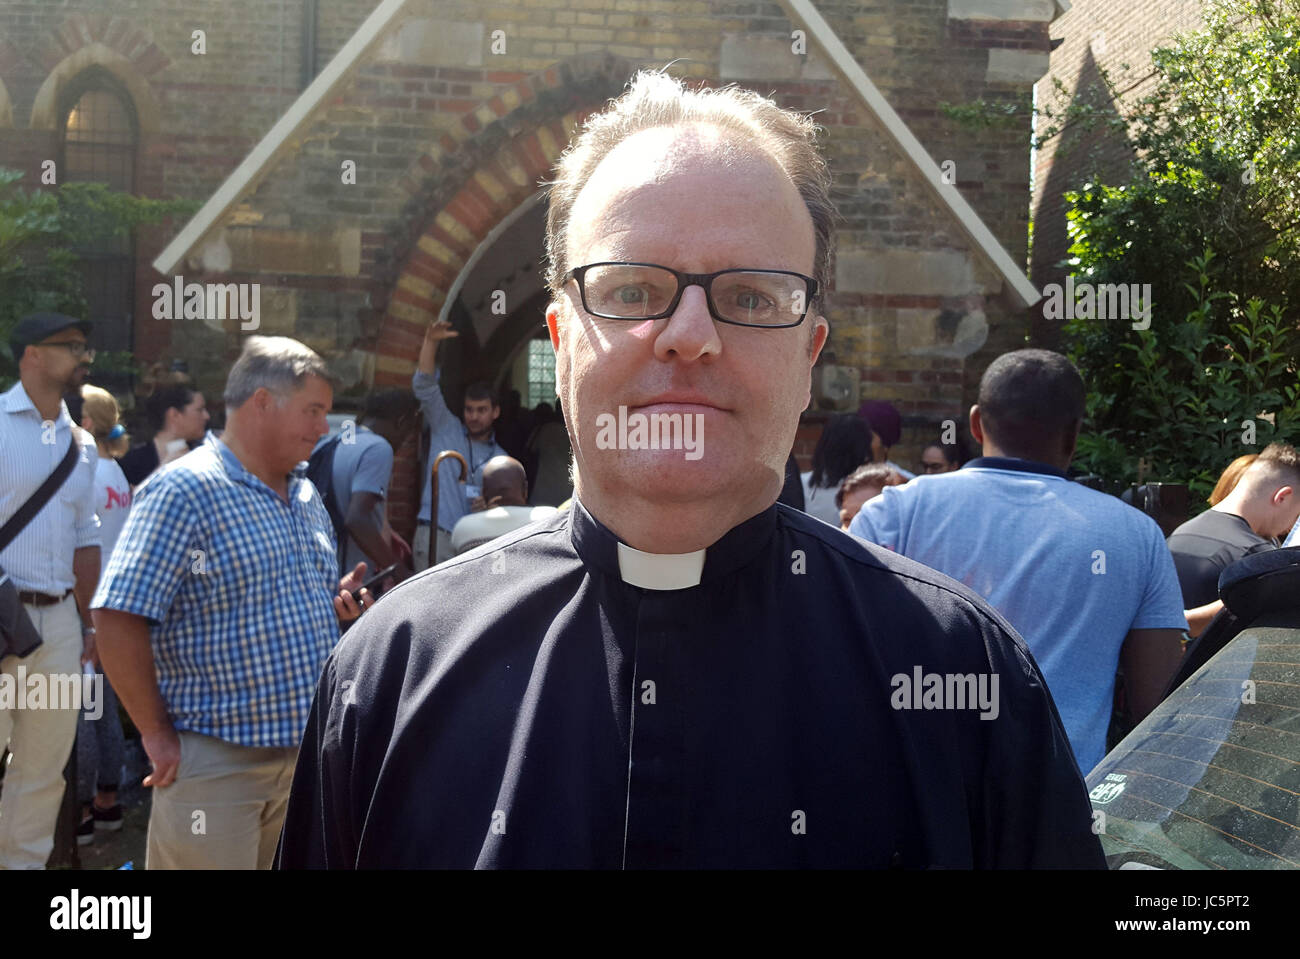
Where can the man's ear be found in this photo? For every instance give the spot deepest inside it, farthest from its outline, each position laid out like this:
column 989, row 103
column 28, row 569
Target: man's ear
column 976, row 425
column 553, row 319
column 820, row 334
column 263, row 399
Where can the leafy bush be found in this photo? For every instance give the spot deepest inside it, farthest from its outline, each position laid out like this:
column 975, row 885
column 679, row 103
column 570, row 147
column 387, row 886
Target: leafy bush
column 1213, row 186
column 40, row 234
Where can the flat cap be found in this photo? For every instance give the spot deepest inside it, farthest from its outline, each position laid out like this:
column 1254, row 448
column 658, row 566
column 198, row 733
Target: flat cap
column 35, row 327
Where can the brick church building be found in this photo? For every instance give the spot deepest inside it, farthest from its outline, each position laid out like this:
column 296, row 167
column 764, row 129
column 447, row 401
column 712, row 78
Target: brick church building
column 373, row 166
column 1094, row 41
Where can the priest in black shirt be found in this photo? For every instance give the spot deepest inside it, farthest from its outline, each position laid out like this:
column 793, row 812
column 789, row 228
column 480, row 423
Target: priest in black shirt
column 677, row 671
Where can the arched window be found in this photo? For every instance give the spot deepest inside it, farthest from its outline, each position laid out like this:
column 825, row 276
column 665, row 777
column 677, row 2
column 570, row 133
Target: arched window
column 541, row 372
column 100, row 139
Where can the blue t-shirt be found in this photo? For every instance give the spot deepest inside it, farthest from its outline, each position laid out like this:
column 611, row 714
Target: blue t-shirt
column 1072, row 569
column 362, row 466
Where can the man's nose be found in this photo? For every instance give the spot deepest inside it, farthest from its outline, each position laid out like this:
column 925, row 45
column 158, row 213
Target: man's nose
column 690, row 332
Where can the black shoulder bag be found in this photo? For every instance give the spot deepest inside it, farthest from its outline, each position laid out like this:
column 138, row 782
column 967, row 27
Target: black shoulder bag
column 18, row 635
column 320, row 470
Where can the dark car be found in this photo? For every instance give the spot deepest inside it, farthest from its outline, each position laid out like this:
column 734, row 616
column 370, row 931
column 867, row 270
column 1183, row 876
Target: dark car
column 1211, row 778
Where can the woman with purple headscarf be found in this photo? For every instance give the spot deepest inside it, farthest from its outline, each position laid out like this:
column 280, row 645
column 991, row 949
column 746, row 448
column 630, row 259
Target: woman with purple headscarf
column 887, row 425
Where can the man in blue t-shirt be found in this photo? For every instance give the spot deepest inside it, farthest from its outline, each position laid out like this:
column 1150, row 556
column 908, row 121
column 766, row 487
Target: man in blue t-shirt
column 1085, row 578
column 363, row 468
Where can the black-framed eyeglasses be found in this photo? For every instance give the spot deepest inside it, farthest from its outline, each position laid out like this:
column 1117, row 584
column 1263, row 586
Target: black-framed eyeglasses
column 773, row 299
column 78, row 348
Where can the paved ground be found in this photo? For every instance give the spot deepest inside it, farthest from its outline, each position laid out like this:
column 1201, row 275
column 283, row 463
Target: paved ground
column 111, row 850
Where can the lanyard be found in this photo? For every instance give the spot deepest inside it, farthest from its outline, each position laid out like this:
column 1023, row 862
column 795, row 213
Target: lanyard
column 469, row 443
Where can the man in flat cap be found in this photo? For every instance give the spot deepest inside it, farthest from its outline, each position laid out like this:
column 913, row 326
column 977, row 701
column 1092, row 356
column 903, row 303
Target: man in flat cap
column 54, row 563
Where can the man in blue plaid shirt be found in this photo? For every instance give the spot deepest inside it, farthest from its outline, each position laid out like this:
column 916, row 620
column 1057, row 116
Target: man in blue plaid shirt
column 218, row 609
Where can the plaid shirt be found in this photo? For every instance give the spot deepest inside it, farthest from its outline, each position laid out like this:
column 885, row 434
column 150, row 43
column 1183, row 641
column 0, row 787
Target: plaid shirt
column 238, row 586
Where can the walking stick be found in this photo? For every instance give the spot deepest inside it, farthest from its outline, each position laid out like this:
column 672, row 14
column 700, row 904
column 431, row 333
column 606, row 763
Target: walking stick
column 433, row 509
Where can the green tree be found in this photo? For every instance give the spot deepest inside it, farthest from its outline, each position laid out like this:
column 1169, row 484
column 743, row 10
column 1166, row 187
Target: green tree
column 1195, row 395
column 1209, row 216
column 40, row 234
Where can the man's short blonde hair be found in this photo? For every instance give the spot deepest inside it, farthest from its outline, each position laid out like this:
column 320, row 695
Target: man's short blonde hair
column 1278, row 464
column 654, row 99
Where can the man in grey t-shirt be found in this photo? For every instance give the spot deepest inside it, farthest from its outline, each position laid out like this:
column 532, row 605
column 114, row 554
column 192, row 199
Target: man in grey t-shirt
column 1264, row 504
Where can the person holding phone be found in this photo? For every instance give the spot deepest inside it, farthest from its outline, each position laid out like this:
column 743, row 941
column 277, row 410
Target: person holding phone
column 219, row 605
column 361, row 468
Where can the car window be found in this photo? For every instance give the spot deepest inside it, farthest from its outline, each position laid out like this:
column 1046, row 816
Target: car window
column 1211, row 778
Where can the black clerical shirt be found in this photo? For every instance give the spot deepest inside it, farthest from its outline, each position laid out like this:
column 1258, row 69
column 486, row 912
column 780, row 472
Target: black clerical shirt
column 524, row 706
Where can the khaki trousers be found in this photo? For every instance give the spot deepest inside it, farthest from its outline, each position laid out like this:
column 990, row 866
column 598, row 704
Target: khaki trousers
column 225, row 808
column 40, row 739
column 420, row 547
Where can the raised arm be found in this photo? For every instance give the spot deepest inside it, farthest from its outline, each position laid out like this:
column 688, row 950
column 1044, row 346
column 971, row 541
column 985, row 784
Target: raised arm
column 424, row 384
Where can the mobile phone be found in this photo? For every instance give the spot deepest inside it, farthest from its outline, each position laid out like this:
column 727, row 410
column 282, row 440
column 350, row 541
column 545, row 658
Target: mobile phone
column 379, row 577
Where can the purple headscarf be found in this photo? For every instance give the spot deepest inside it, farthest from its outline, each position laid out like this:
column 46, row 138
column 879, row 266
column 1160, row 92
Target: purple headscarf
column 885, row 421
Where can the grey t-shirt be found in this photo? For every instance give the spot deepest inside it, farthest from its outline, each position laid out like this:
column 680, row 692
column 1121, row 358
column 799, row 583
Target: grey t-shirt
column 1205, row 546
column 364, row 466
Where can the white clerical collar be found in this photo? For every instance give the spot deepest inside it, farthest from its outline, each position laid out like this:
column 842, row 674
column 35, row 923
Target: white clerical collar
column 660, row 570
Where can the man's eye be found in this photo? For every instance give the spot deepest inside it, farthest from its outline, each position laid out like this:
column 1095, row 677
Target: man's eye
column 630, row 294
column 752, row 300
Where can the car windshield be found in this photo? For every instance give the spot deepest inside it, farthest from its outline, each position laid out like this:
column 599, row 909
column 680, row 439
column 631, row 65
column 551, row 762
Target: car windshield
column 1211, row 779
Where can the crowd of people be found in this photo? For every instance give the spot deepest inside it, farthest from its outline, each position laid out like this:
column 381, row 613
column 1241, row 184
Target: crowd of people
column 617, row 657
column 212, row 637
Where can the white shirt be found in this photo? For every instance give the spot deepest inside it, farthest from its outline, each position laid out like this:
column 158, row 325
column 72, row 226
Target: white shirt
column 478, row 528
column 819, row 501
column 40, row 558
column 112, row 503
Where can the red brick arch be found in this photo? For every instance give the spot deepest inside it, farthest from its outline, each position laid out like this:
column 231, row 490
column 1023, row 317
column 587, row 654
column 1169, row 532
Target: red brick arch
column 113, row 43
column 491, row 161
column 514, row 138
